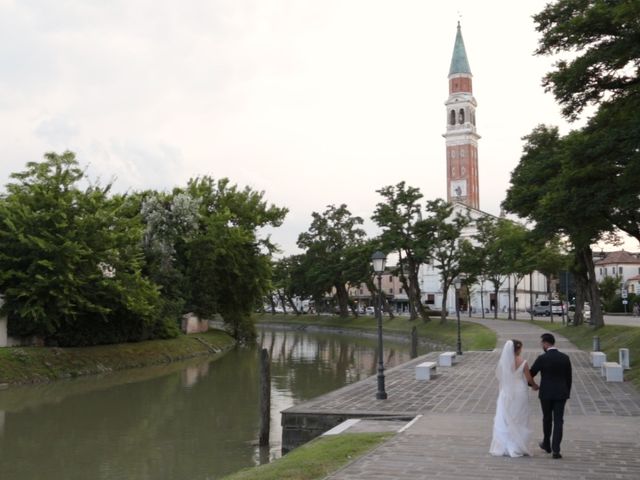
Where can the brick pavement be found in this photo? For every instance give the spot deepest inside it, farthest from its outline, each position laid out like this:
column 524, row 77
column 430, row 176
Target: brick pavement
column 451, row 438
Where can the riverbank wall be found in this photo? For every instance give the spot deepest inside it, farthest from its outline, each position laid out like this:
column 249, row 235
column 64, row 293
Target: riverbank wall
column 30, row 365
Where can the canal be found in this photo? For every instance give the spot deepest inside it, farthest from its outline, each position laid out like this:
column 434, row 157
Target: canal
column 195, row 420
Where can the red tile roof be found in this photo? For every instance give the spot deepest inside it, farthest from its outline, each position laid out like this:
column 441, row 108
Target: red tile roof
column 617, row 258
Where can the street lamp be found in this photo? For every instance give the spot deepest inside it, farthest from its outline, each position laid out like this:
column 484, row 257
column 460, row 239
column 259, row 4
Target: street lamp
column 457, row 282
column 378, row 260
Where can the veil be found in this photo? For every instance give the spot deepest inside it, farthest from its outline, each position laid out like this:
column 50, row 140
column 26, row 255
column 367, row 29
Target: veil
column 506, row 365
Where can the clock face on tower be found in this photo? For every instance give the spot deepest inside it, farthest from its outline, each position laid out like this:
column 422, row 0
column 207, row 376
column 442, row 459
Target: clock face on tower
column 458, row 188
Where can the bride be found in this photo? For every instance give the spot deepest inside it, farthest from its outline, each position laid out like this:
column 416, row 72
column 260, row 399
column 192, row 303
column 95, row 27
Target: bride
column 511, row 431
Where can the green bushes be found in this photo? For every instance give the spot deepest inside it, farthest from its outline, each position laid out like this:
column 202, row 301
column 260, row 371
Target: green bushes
column 82, row 266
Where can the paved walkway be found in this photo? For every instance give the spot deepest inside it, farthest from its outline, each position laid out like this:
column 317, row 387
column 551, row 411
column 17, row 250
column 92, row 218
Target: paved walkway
column 450, row 440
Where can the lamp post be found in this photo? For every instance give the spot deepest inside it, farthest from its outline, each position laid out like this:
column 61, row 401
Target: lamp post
column 457, row 282
column 378, row 260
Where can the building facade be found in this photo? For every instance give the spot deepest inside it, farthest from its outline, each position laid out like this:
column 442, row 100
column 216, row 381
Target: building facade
column 621, row 264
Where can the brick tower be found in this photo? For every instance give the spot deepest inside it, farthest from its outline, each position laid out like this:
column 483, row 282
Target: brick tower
column 461, row 137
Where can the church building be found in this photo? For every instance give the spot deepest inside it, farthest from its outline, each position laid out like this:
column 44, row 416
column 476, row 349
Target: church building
column 463, row 191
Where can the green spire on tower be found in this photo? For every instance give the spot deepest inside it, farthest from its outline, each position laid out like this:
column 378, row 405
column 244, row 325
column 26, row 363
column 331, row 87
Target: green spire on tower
column 459, row 62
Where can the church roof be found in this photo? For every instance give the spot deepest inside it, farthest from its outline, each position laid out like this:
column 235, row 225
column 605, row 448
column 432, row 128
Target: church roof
column 459, row 62
column 618, row 257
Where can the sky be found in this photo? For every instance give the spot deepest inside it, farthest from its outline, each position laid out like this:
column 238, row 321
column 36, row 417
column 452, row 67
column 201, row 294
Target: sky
column 313, row 102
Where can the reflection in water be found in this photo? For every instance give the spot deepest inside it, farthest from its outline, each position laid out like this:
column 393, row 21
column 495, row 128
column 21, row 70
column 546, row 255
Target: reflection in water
column 198, row 422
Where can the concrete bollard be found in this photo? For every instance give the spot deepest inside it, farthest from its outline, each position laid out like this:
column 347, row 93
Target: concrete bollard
column 414, row 342
column 623, row 355
column 596, row 343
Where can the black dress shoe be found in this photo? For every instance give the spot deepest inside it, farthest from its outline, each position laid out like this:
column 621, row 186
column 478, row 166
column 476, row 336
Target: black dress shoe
column 557, row 455
column 546, row 449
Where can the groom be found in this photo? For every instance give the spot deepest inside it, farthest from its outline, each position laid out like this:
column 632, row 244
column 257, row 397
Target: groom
column 555, row 386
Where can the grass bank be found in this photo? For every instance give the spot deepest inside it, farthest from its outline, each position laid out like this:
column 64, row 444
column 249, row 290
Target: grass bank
column 612, row 337
column 474, row 336
column 316, row 459
column 19, row 365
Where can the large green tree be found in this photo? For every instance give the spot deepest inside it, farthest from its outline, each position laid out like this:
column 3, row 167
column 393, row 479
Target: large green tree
column 70, row 259
column 327, row 244
column 441, row 230
column 400, row 217
column 548, row 188
column 594, row 188
column 227, row 262
column 601, row 39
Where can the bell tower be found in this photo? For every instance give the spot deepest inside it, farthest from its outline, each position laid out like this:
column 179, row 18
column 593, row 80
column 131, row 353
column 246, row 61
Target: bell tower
column 461, row 137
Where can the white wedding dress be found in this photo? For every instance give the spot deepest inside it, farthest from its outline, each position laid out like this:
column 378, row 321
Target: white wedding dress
column 511, row 433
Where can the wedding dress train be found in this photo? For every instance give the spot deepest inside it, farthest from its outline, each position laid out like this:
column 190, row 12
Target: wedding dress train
column 511, row 433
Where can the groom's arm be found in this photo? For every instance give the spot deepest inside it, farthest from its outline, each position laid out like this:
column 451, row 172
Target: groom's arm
column 535, row 368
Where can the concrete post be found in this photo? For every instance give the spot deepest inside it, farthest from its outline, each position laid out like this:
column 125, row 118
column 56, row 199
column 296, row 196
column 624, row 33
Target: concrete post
column 3, row 332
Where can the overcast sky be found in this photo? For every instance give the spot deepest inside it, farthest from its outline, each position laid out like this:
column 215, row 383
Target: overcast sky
column 315, row 102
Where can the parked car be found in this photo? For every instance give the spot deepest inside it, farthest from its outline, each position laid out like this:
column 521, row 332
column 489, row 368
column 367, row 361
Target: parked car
column 586, row 312
column 546, row 307
column 369, row 310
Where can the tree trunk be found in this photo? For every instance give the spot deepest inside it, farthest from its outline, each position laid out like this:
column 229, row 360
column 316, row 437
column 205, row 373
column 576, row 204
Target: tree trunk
column 386, row 306
column 517, row 279
column 354, row 310
column 293, row 305
column 482, row 296
column 283, row 302
column 592, row 287
column 413, row 313
column 415, row 289
column 343, row 299
column 443, row 311
column 495, row 310
column 273, row 304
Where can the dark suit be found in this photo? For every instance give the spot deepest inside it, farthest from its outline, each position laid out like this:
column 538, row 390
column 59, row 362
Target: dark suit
column 555, row 388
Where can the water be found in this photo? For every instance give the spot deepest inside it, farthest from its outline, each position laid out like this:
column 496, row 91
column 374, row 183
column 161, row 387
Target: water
column 195, row 420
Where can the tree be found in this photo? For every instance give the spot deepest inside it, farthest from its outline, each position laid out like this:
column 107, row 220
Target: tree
column 359, row 270
column 70, row 260
column 288, row 281
column 557, row 203
column 519, row 253
column 605, row 35
column 442, row 229
column 491, row 251
column 400, row 218
column 227, row 264
column 549, row 260
column 609, row 286
column 170, row 221
column 602, row 38
column 326, row 245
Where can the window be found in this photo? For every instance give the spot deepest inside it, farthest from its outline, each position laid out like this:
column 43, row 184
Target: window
column 400, row 290
column 620, row 270
column 360, row 291
column 460, row 116
column 452, row 117
column 600, row 270
column 431, row 299
column 391, row 290
column 633, row 288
